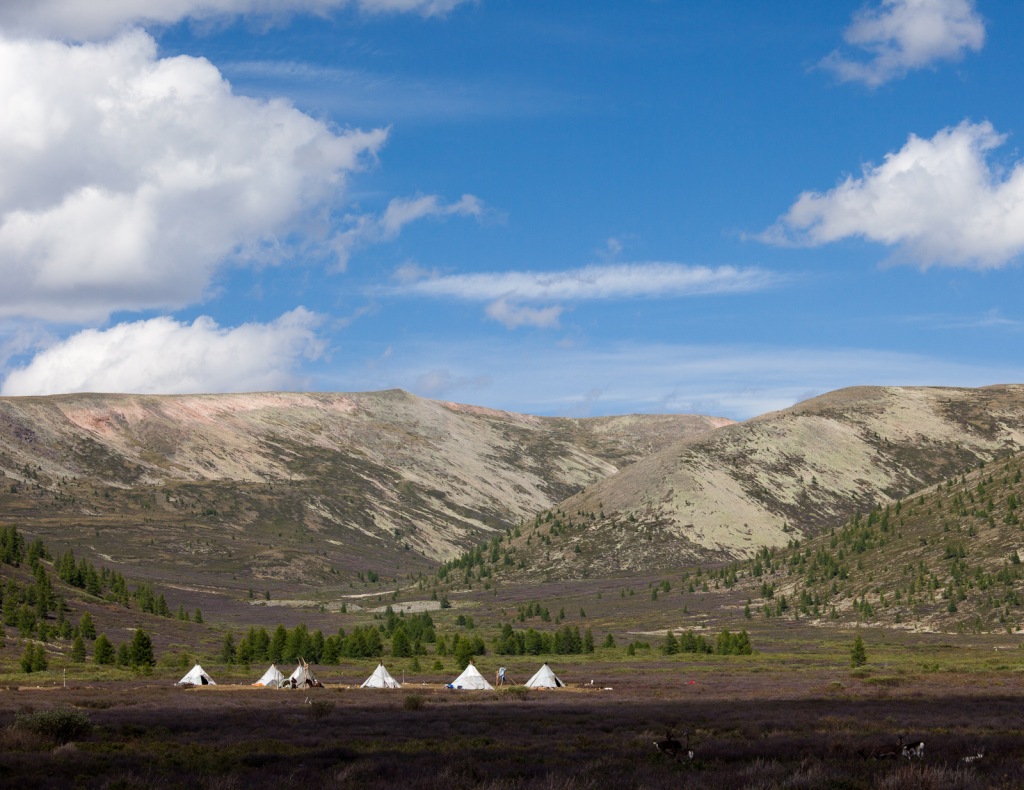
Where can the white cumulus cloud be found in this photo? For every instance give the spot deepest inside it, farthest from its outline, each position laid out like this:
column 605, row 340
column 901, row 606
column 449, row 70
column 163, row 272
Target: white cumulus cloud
column 128, row 179
column 162, row 356
column 938, row 201
column 899, row 36
column 83, row 20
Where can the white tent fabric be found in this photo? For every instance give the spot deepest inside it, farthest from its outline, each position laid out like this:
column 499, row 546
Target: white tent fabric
column 302, row 676
column 271, row 678
column 544, row 679
column 470, row 679
column 380, row 679
column 197, row 677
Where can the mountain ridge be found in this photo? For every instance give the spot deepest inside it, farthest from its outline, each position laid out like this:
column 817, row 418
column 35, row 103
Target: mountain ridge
column 789, row 473
column 300, row 479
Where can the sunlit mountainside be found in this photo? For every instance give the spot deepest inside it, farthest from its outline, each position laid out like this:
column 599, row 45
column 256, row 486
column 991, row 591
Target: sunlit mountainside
column 296, row 489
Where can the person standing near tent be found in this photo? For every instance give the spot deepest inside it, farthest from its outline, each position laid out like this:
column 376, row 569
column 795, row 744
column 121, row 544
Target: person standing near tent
column 499, row 679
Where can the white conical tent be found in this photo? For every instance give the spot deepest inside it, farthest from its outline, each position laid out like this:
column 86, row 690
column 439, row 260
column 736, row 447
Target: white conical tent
column 197, row 677
column 471, row 679
column 271, row 678
column 544, row 679
column 303, row 676
column 380, row 679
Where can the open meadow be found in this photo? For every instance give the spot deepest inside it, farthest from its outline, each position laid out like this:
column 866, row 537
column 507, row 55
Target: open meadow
column 795, row 715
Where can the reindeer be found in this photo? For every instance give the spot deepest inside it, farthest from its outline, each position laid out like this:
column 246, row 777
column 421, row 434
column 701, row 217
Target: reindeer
column 673, row 748
column 669, row 746
column 913, row 749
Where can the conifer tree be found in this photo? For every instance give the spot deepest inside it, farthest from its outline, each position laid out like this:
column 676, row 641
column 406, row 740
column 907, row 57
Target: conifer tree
column 141, row 650
column 227, row 649
column 858, row 654
column 86, row 627
column 103, row 651
column 400, row 647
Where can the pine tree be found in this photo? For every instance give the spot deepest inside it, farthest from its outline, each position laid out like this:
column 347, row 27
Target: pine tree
column 78, row 650
column 858, row 655
column 227, row 649
column 39, row 662
column 86, row 627
column 102, row 651
column 400, row 647
column 27, row 657
column 277, row 643
column 141, row 651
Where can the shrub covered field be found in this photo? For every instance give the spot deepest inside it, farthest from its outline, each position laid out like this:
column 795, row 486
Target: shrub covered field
column 751, row 723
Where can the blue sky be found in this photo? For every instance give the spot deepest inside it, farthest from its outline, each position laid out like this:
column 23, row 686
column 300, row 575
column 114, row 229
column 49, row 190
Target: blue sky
column 574, row 209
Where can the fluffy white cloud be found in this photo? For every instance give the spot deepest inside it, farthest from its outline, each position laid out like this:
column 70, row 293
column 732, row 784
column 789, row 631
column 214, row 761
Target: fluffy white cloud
column 370, row 229
column 938, row 201
column 128, row 179
column 620, row 281
column 83, row 20
column 902, row 35
column 164, row 356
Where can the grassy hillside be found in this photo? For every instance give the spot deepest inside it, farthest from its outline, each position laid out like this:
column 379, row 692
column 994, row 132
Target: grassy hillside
column 785, row 475
column 945, row 559
column 294, row 492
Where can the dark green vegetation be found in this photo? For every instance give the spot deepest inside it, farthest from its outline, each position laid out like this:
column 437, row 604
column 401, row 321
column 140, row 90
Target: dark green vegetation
column 945, row 559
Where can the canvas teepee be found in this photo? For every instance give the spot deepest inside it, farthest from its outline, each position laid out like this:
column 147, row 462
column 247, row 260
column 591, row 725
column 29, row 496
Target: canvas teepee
column 544, row 679
column 303, row 676
column 196, row 677
column 271, row 678
column 380, row 679
column 470, row 679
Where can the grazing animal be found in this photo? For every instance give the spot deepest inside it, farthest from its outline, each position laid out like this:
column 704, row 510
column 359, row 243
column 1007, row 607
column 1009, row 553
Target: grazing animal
column 972, row 758
column 913, row 750
column 687, row 751
column 674, row 748
column 669, row 746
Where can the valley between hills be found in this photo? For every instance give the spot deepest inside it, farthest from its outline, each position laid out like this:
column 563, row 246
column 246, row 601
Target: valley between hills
column 303, row 492
column 316, row 497
column 686, row 565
